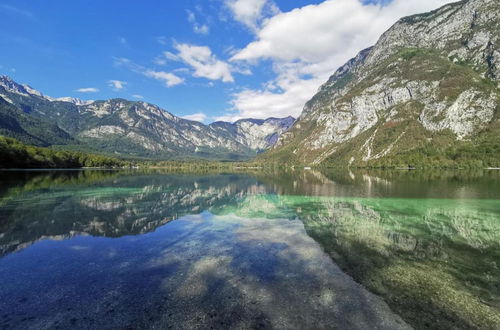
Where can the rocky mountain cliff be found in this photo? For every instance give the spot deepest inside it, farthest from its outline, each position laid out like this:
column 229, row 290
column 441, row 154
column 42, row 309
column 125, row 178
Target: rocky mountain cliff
column 256, row 134
column 427, row 91
column 129, row 128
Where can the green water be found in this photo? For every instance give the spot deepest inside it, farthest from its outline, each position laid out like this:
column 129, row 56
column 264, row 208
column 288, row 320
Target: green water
column 250, row 250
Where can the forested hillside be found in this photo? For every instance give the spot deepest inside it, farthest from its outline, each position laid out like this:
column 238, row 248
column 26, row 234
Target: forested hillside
column 14, row 154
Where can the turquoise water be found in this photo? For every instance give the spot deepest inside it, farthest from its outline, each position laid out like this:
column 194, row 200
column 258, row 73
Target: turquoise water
column 302, row 249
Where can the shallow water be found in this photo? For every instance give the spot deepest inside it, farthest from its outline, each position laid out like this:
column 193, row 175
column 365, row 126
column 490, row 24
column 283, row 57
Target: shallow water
column 358, row 250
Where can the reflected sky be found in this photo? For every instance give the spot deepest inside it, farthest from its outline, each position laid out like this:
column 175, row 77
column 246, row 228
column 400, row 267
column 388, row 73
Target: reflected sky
column 305, row 249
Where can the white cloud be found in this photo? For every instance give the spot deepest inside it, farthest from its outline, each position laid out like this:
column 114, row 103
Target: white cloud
column 201, row 29
column 251, row 12
column 159, row 60
column 313, row 41
column 164, row 57
column 171, row 56
column 137, row 96
column 199, row 116
column 181, row 70
column 313, row 32
column 168, row 78
column 197, row 27
column 267, row 102
column 228, row 118
column 87, row 90
column 204, row 63
column 117, row 84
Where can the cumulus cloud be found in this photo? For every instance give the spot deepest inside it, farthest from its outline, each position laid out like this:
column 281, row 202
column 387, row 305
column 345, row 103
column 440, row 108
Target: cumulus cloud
column 251, row 12
column 267, row 102
column 199, row 116
column 117, row 84
column 168, row 78
column 204, row 63
column 306, row 45
column 87, row 90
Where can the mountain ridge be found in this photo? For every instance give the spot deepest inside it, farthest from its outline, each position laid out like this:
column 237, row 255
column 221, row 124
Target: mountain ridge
column 141, row 129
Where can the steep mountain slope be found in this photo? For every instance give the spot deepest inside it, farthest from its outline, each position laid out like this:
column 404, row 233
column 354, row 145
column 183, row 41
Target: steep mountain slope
column 141, row 129
column 428, row 91
column 256, row 134
column 16, row 124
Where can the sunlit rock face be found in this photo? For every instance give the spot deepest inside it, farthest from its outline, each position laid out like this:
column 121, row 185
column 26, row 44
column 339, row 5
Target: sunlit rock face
column 256, row 134
column 140, row 129
column 143, row 128
column 431, row 79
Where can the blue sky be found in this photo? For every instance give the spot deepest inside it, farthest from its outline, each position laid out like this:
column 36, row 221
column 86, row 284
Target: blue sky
column 207, row 60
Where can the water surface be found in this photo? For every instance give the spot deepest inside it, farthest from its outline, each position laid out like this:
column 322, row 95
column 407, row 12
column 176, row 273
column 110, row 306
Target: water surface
column 358, row 250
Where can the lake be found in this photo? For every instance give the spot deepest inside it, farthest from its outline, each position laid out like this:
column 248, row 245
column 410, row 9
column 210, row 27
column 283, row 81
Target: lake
column 266, row 249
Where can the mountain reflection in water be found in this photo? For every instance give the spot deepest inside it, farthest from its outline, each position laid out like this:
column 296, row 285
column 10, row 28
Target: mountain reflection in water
column 239, row 253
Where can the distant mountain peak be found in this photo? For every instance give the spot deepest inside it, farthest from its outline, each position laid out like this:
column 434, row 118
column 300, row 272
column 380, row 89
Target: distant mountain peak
column 74, row 100
column 257, row 134
column 26, row 90
column 262, row 121
column 11, row 86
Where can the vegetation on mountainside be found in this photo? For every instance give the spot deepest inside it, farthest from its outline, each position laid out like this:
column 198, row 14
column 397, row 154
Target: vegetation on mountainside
column 402, row 140
column 14, row 154
column 470, row 154
column 63, row 125
column 17, row 124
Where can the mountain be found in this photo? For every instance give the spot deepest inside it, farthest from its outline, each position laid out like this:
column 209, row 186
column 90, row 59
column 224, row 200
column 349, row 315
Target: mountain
column 427, row 92
column 256, row 134
column 17, row 124
column 73, row 100
column 137, row 129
